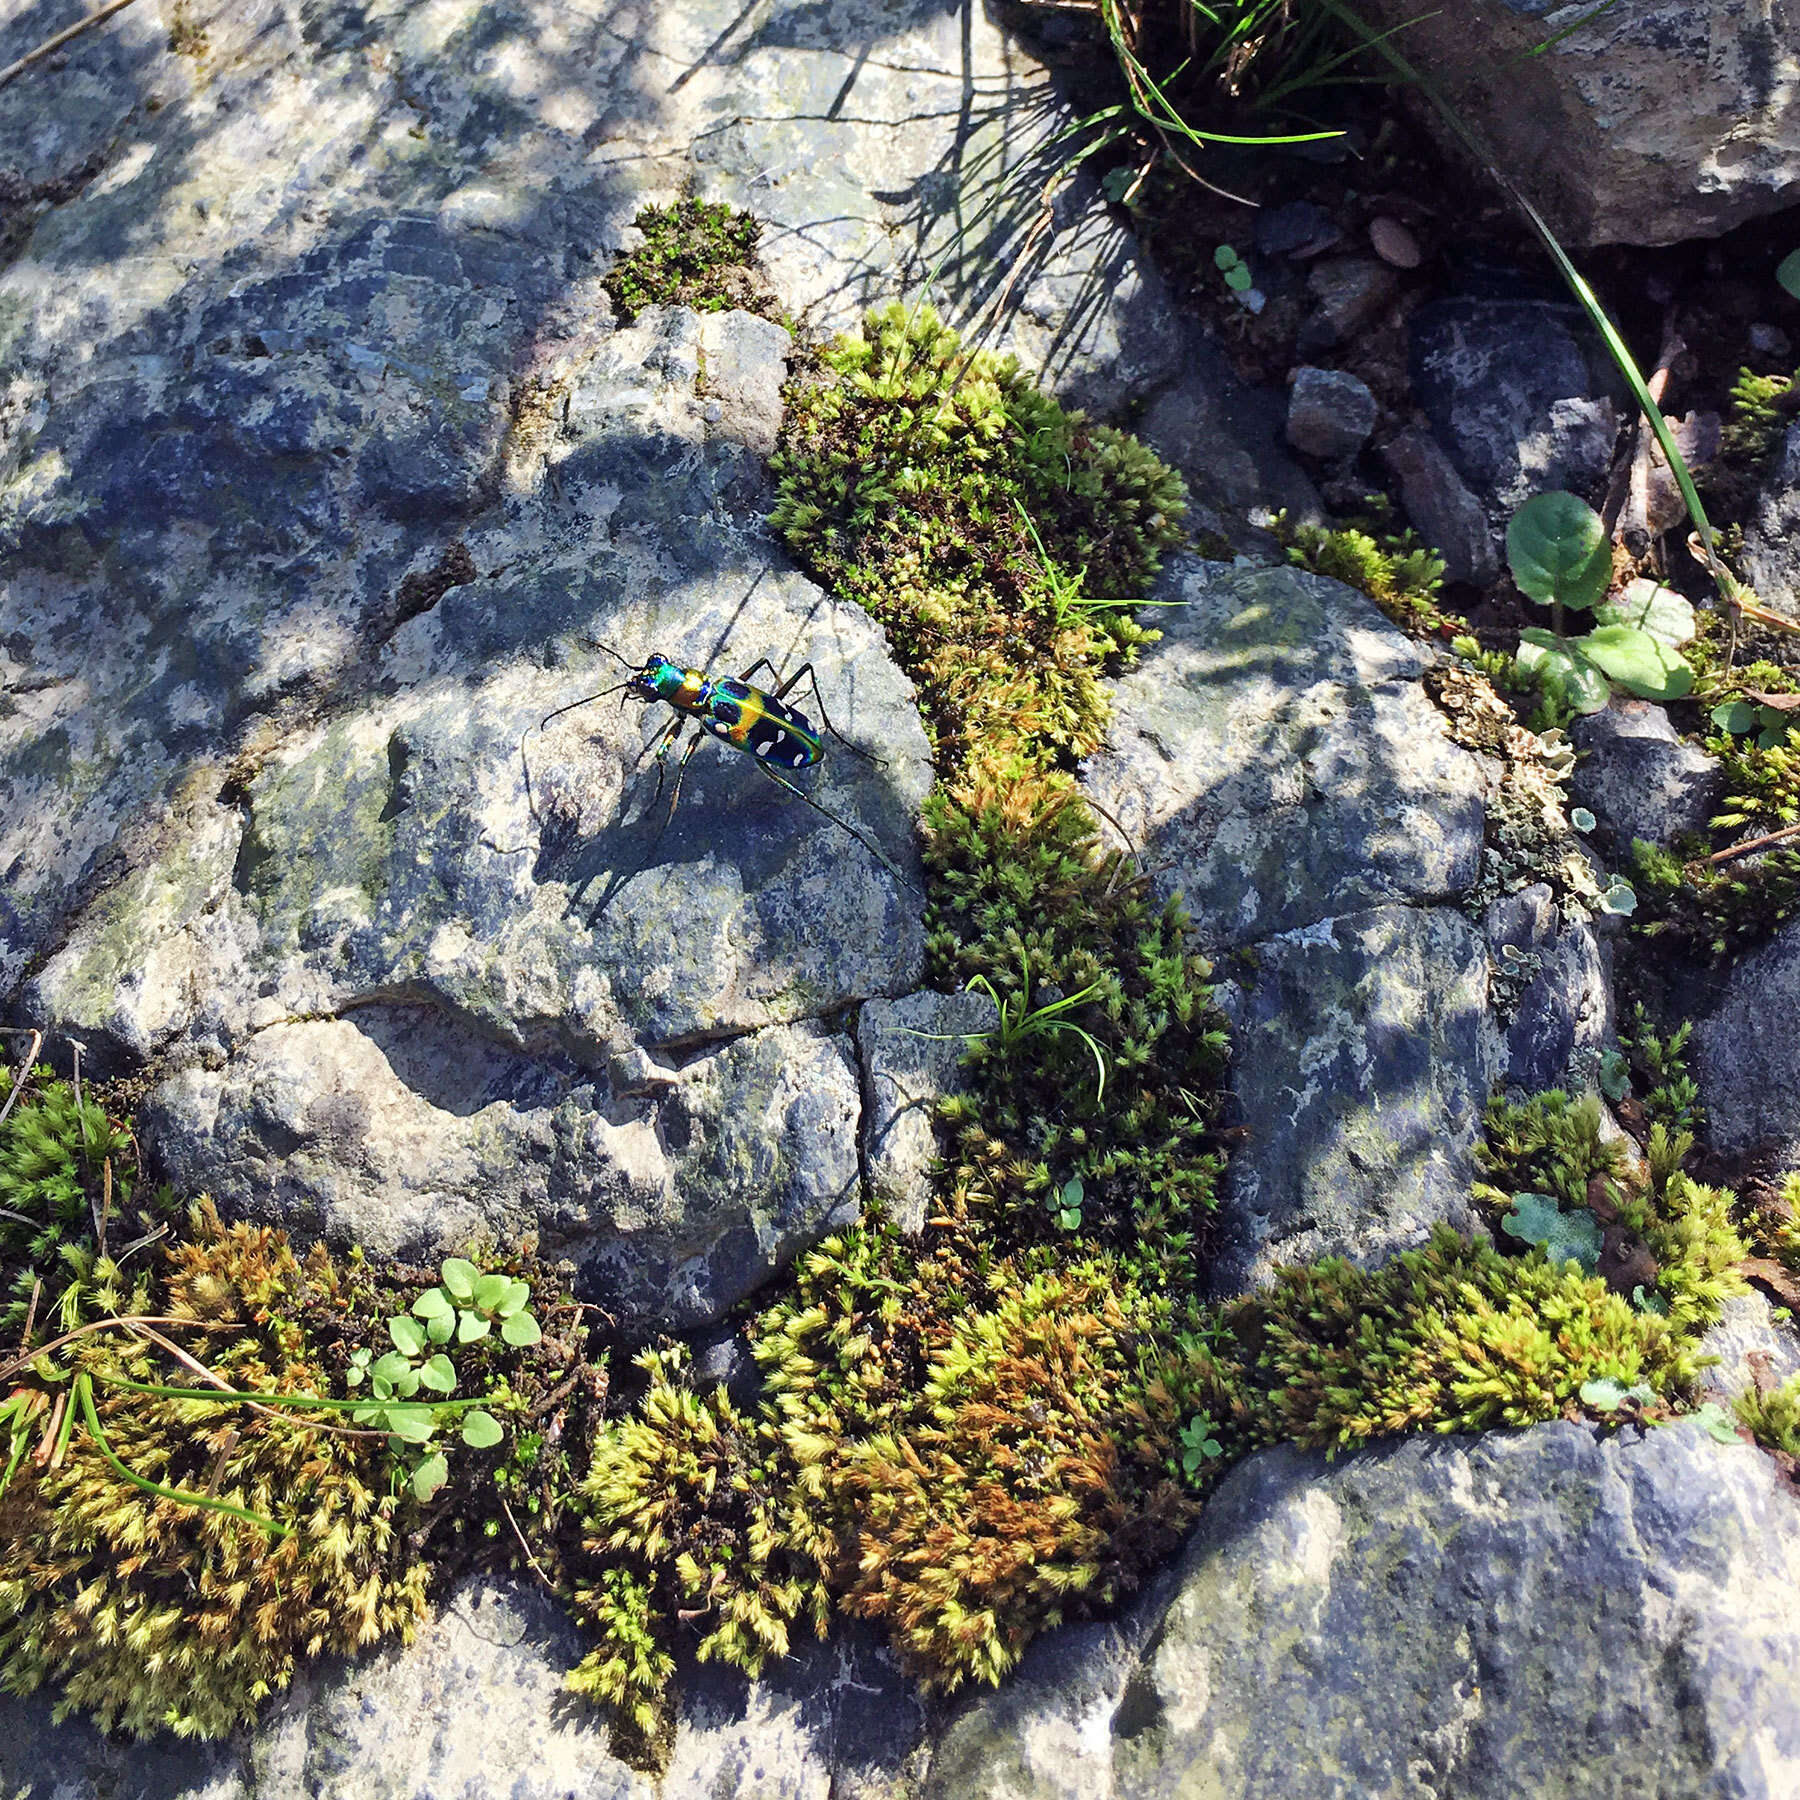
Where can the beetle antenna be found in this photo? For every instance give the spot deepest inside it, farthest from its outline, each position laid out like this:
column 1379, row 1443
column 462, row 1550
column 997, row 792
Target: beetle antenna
column 623, row 661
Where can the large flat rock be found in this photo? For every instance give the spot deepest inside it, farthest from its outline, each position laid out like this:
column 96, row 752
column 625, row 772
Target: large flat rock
column 1277, row 760
column 1543, row 1613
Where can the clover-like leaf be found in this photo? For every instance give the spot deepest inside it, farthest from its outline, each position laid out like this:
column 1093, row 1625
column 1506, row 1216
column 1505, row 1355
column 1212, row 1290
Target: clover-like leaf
column 521, row 1330
column 1736, row 716
column 1225, row 257
column 430, row 1475
column 490, row 1290
column 470, row 1326
column 1716, row 1422
column 434, row 1303
column 1563, row 1237
column 480, row 1429
column 1238, row 277
column 460, row 1276
column 439, row 1375
column 516, row 1298
column 440, row 1328
column 390, row 1367
column 1787, row 273
column 411, row 1424
column 408, row 1334
column 1557, row 547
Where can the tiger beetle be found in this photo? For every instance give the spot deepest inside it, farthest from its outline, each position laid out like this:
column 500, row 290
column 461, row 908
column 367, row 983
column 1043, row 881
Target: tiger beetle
column 750, row 719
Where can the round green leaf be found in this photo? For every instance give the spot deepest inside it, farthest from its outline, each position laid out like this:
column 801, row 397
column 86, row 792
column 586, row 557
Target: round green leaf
column 1620, row 898
column 366, row 1415
column 1603, row 1394
column 1653, row 608
column 1582, row 820
column 1225, row 257
column 1638, row 662
column 1787, row 273
column 518, row 1296
column 411, row 1424
column 460, row 1277
column 406, row 1384
column 1736, row 716
column 521, row 1330
column 439, row 1330
column 390, row 1367
column 430, row 1475
column 408, row 1334
column 1557, row 669
column 381, row 1387
column 469, row 1327
column 1237, row 277
column 439, row 1375
column 480, row 1430
column 434, row 1303
column 1557, row 548
column 490, row 1290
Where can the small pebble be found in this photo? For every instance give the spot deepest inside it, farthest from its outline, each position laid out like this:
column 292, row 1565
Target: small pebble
column 1394, row 244
column 1298, row 230
column 1330, row 414
column 1770, row 340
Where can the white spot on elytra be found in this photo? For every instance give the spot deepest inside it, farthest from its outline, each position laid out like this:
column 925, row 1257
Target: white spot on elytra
column 764, row 747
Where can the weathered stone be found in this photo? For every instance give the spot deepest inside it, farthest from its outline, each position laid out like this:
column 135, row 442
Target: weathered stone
column 1437, row 1616
column 1521, row 921
column 910, row 1050
column 1298, row 229
column 1442, row 510
column 1351, row 292
column 1278, row 761
column 1511, row 394
column 1748, row 1059
column 1772, row 538
column 1330, row 413
column 1653, row 122
column 1753, row 1348
column 678, row 1188
column 1566, row 1009
column 1361, row 1062
column 1639, row 777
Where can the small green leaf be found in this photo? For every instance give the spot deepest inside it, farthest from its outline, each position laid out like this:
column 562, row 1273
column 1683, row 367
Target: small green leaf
column 1716, row 1423
column 1115, row 184
column 1737, row 716
column 390, row 1367
column 430, row 1475
column 469, row 1327
column 1787, row 273
column 407, row 1384
column 367, row 1415
column 1615, row 1075
column 480, row 1430
column 439, row 1375
column 460, row 1278
column 381, row 1387
column 490, row 1290
column 411, row 1424
column 1560, row 670
column 1649, row 1302
column 1557, row 548
column 517, row 1297
column 1620, row 899
column 408, row 1334
column 521, row 1330
column 1603, row 1394
column 354, row 1374
column 1638, row 662
column 441, row 1328
column 1225, row 257
column 434, row 1303
column 1073, row 1191
column 1238, row 277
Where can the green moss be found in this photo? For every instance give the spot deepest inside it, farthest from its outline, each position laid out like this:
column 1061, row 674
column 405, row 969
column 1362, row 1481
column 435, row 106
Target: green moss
column 1401, row 575
column 1754, row 424
column 696, row 253
column 1773, row 1419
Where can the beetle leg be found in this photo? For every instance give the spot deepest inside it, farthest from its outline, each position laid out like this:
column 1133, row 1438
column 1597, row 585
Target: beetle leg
column 806, row 669
column 867, row 843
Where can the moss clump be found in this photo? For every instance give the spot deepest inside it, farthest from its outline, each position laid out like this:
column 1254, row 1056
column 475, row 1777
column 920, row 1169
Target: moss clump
column 1754, row 423
column 696, row 253
column 155, row 1615
column 1401, row 575
column 1773, row 1419
column 66, row 1168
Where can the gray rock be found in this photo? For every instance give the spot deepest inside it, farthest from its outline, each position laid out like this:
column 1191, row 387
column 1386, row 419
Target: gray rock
column 678, row 1187
column 1668, row 119
column 1772, row 538
column 1566, row 1009
column 1442, row 510
column 1351, row 293
column 1297, row 230
column 1753, row 1349
column 1510, row 392
column 1330, row 413
column 1225, row 439
column 910, row 1051
column 1521, row 921
column 1748, row 1060
column 1438, row 1616
column 1278, row 761
column 1639, row 777
column 1361, row 1061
